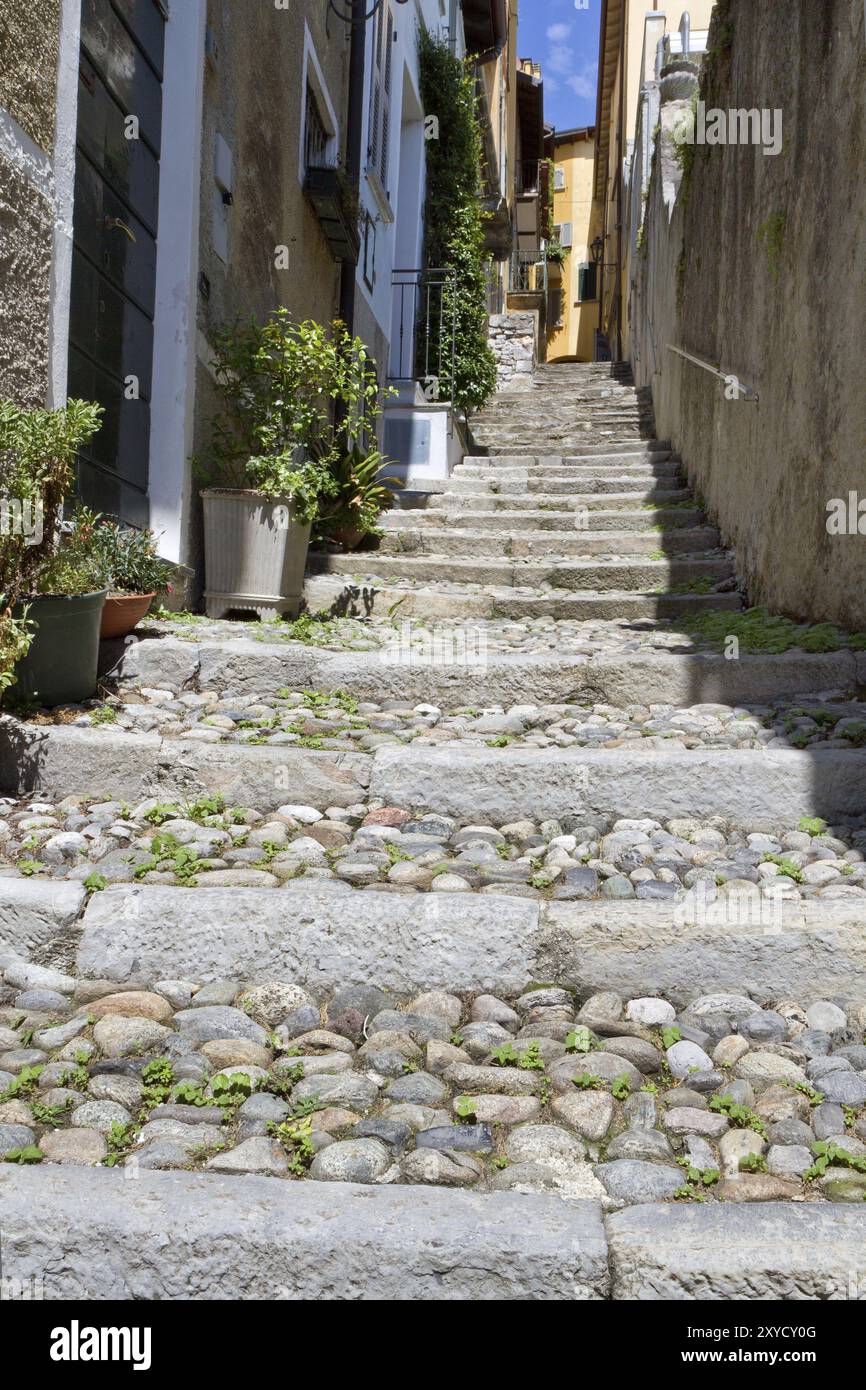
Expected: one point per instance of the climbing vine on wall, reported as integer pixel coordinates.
(453, 219)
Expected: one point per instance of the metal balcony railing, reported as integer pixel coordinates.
(527, 271)
(424, 330)
(529, 176)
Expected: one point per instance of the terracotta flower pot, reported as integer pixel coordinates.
(123, 612)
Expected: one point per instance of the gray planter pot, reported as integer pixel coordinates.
(60, 667)
(255, 554)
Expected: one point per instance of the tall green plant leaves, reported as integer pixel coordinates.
(453, 221)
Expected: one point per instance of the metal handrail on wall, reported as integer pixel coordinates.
(746, 392)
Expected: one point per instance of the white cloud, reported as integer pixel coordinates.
(557, 32)
(560, 60)
(584, 83)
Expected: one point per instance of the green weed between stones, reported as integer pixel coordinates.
(752, 1163)
(787, 868)
(740, 1116)
(696, 1180)
(827, 1154)
(30, 1154)
(620, 1087)
(530, 1060)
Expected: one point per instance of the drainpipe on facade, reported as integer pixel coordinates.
(354, 130)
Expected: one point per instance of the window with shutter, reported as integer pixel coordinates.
(565, 234)
(386, 101)
(559, 179)
(586, 282)
(375, 96)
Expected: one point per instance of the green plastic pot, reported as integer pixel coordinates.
(60, 667)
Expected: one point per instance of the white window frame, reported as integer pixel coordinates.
(313, 77)
(379, 124)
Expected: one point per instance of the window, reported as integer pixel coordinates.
(369, 251)
(380, 96)
(315, 134)
(586, 281)
(558, 180)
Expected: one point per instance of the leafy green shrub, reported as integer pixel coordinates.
(128, 560)
(278, 382)
(37, 453)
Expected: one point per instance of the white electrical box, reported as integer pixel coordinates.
(223, 165)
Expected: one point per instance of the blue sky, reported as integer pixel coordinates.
(562, 36)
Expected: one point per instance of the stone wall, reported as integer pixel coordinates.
(755, 262)
(29, 49)
(514, 340)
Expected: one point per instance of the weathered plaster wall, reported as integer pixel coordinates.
(254, 99)
(758, 265)
(29, 49)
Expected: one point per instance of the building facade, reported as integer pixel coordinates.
(573, 317)
(634, 43)
(168, 169)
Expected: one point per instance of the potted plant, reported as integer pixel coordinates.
(51, 595)
(294, 395)
(363, 494)
(133, 573)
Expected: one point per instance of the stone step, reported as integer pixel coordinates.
(621, 574)
(96, 763)
(644, 482)
(562, 407)
(667, 519)
(655, 502)
(512, 677)
(386, 597)
(523, 544)
(565, 475)
(599, 459)
(501, 439)
(589, 463)
(481, 784)
(589, 450)
(727, 1251)
(748, 787)
(252, 1237)
(322, 940)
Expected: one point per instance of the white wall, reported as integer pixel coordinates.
(171, 414)
(397, 211)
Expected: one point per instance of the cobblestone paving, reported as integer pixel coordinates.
(626, 1101)
(336, 720)
(369, 845)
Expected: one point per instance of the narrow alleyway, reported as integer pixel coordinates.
(571, 510)
(515, 885)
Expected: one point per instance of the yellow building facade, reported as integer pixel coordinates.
(577, 217)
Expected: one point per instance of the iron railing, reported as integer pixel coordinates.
(528, 271)
(743, 392)
(424, 330)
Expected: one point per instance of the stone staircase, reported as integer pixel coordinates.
(569, 508)
(401, 897)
